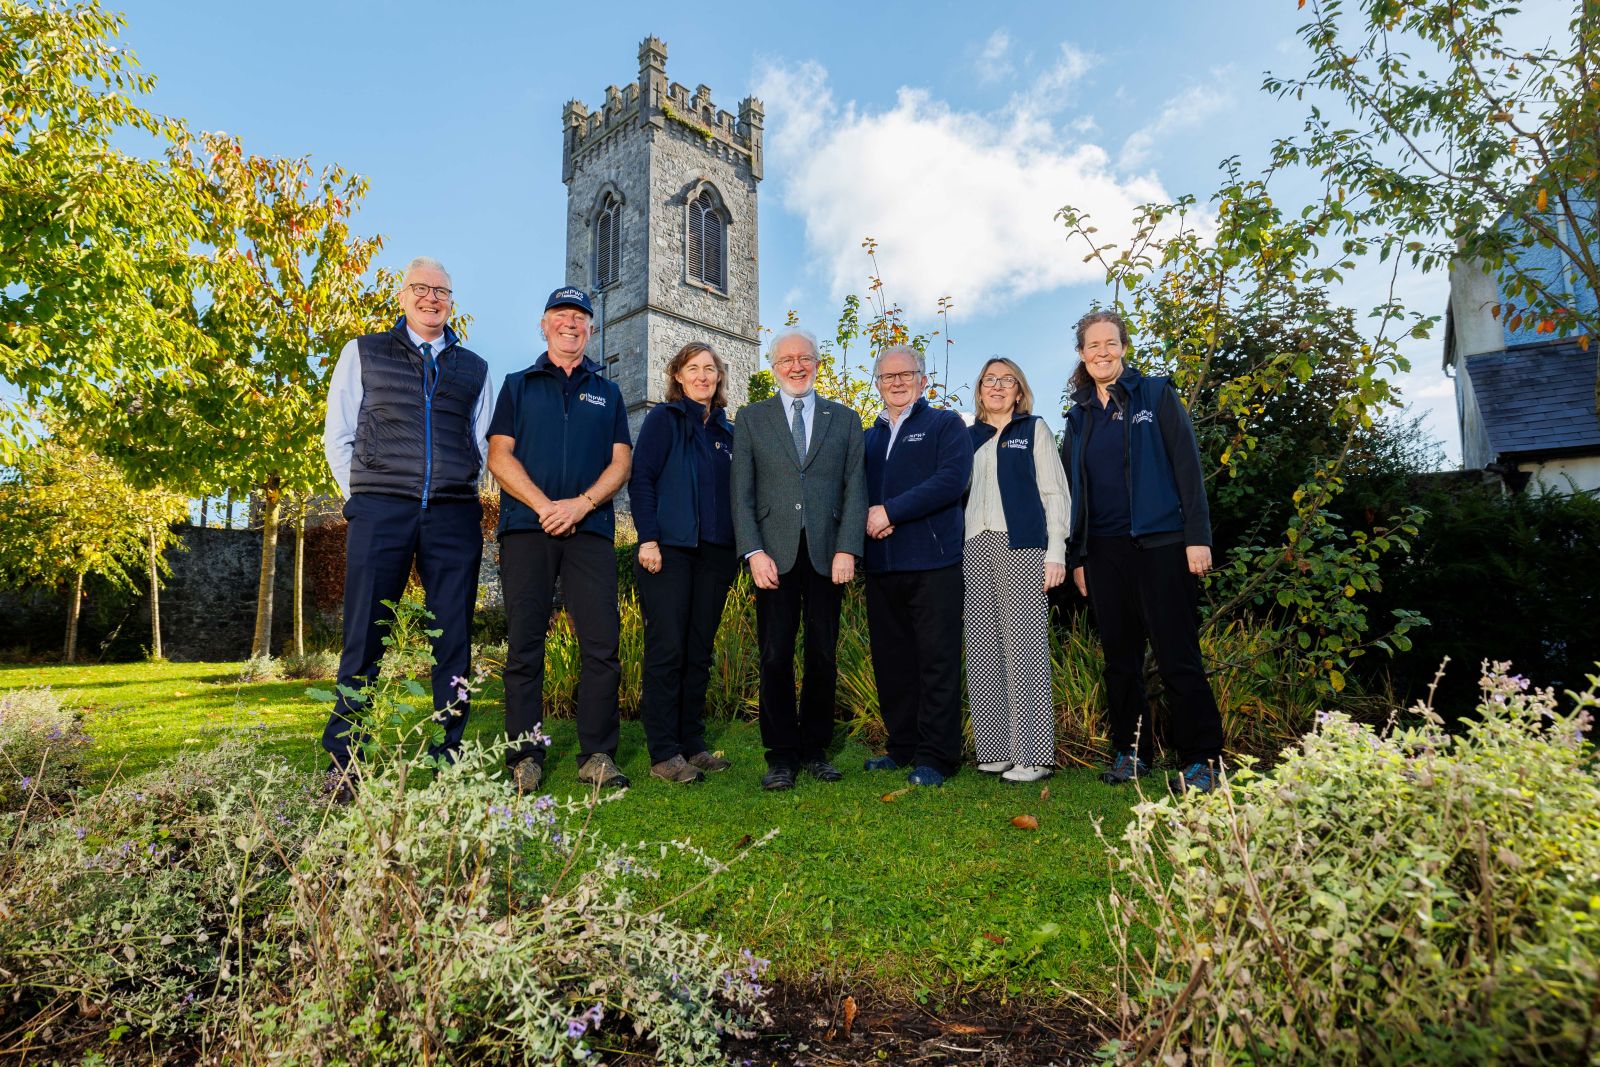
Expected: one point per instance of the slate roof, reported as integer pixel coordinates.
(1537, 398)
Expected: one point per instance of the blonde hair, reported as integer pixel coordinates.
(1024, 404)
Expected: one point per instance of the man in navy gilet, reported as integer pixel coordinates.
(408, 415)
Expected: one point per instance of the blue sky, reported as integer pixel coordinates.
(949, 132)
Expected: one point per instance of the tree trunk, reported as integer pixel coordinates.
(227, 503)
(72, 619)
(261, 644)
(203, 502)
(300, 582)
(155, 598)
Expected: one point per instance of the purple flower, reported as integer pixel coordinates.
(576, 1028)
(461, 694)
(544, 803)
(80, 832)
(26, 782)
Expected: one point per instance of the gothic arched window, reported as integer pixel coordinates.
(608, 242)
(708, 240)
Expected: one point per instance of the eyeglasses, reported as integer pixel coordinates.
(998, 381)
(796, 361)
(419, 291)
(899, 377)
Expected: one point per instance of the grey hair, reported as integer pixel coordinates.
(901, 350)
(793, 333)
(427, 263)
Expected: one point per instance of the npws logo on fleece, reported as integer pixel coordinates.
(1143, 416)
(1017, 442)
(593, 398)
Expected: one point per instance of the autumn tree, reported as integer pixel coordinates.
(1462, 135)
(95, 261)
(67, 513)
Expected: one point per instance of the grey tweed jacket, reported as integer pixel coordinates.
(776, 496)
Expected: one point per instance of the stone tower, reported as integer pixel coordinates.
(661, 227)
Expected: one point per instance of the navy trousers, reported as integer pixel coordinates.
(682, 609)
(386, 535)
(914, 623)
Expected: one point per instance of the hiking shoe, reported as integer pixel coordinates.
(881, 763)
(341, 784)
(779, 777)
(823, 771)
(994, 768)
(527, 774)
(1125, 767)
(1201, 777)
(676, 769)
(925, 776)
(601, 770)
(706, 761)
(1027, 774)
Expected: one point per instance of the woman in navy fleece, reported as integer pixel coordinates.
(1141, 535)
(679, 495)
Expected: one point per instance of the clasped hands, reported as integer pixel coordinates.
(764, 571)
(561, 517)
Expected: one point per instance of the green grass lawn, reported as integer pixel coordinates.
(927, 894)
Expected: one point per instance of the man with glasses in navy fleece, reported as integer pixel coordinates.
(408, 415)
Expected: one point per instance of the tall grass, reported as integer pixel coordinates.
(1264, 706)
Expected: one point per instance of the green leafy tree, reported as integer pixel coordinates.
(287, 283)
(1456, 142)
(67, 513)
(95, 262)
(1195, 300)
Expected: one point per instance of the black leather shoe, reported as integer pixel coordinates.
(823, 771)
(778, 778)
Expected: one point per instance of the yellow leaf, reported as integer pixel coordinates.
(1336, 680)
(1543, 199)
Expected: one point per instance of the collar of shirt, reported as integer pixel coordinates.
(439, 343)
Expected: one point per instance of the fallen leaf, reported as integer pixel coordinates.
(996, 938)
(744, 842)
(1025, 822)
(1044, 794)
(897, 794)
(961, 1028)
(849, 1014)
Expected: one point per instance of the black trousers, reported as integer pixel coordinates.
(1148, 593)
(914, 622)
(682, 606)
(796, 734)
(385, 536)
(586, 563)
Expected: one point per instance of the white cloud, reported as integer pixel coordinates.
(1189, 108)
(994, 63)
(961, 203)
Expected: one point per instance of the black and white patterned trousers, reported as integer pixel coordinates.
(1008, 653)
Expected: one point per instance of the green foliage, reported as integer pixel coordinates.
(42, 746)
(1238, 315)
(65, 511)
(95, 263)
(1398, 897)
(312, 666)
(1501, 575)
(1462, 142)
(261, 669)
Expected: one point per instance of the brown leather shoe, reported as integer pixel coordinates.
(676, 769)
(708, 762)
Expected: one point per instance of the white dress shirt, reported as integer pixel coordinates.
(344, 409)
(808, 411)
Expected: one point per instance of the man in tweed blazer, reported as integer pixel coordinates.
(799, 519)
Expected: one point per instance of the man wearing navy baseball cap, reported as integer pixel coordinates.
(559, 446)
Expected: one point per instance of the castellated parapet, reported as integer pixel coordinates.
(651, 158)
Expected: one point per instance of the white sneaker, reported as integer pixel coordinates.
(993, 768)
(1027, 774)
